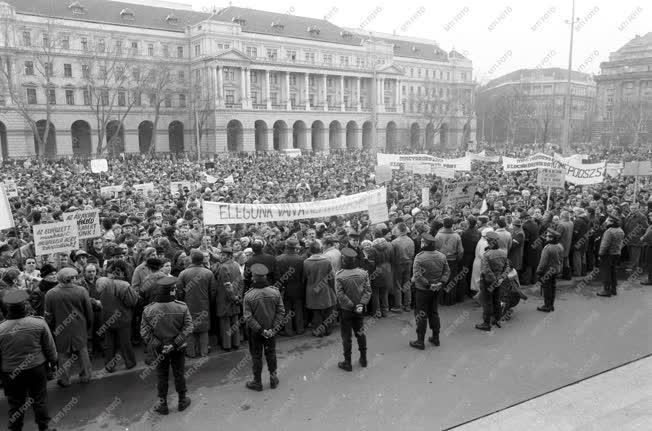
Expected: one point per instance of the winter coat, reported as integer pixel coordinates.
(148, 290)
(516, 251)
(580, 240)
(612, 242)
(69, 314)
(290, 273)
(381, 254)
(319, 278)
(402, 250)
(565, 228)
(196, 288)
(37, 296)
(634, 227)
(266, 259)
(118, 300)
(228, 298)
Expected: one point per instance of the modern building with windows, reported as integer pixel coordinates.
(624, 95)
(527, 106)
(125, 75)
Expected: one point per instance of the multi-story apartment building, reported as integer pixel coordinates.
(527, 106)
(125, 75)
(624, 95)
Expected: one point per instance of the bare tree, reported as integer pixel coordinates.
(113, 90)
(202, 108)
(159, 80)
(544, 117)
(513, 111)
(23, 94)
(635, 117)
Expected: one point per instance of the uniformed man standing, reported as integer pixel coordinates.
(263, 313)
(26, 346)
(165, 326)
(430, 272)
(550, 267)
(494, 270)
(353, 291)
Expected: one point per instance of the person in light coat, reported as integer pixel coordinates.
(319, 279)
(477, 263)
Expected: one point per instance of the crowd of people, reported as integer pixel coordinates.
(156, 248)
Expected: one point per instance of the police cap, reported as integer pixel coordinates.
(259, 269)
(492, 235)
(167, 281)
(354, 234)
(349, 252)
(15, 296)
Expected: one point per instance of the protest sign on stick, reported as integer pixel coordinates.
(59, 237)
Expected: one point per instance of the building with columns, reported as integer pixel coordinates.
(242, 79)
(624, 95)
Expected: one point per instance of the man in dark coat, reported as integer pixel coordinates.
(580, 242)
(228, 299)
(197, 289)
(290, 269)
(532, 250)
(70, 316)
(118, 300)
(550, 267)
(259, 256)
(495, 269)
(634, 226)
(518, 242)
(318, 277)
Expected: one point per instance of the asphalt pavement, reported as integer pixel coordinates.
(473, 374)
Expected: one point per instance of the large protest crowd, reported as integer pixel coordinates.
(159, 233)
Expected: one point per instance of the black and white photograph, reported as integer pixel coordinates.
(287, 216)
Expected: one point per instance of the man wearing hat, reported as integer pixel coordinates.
(290, 269)
(69, 313)
(197, 287)
(518, 241)
(354, 244)
(165, 326)
(494, 270)
(610, 249)
(580, 242)
(26, 348)
(259, 257)
(228, 299)
(79, 259)
(263, 314)
(430, 272)
(550, 267)
(353, 291)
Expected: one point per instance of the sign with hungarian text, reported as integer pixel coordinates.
(553, 178)
(575, 171)
(398, 160)
(88, 223)
(228, 213)
(52, 238)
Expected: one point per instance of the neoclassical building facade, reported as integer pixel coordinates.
(235, 79)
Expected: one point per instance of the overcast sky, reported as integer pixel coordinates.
(498, 36)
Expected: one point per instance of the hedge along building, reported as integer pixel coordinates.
(135, 78)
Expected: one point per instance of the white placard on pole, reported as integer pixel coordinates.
(547, 177)
(11, 189)
(425, 196)
(99, 165)
(59, 237)
(378, 213)
(6, 219)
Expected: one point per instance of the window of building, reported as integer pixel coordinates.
(134, 48)
(166, 51)
(330, 82)
(49, 69)
(311, 80)
(273, 97)
(292, 55)
(181, 75)
(118, 47)
(104, 97)
(412, 72)
(344, 60)
(150, 49)
(293, 99)
(27, 38)
(85, 71)
(448, 76)
(179, 51)
(311, 99)
(229, 74)
(29, 68)
(272, 54)
(251, 51)
(360, 62)
(230, 96)
(135, 73)
(273, 78)
(197, 50)
(310, 57)
(52, 96)
(45, 40)
(101, 45)
(84, 43)
(168, 101)
(182, 100)
(328, 58)
(65, 41)
(138, 98)
(197, 75)
(463, 76)
(70, 97)
(31, 95)
(441, 74)
(87, 97)
(254, 97)
(152, 99)
(122, 98)
(293, 79)
(419, 72)
(253, 77)
(67, 70)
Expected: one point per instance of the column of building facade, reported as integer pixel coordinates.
(306, 91)
(220, 86)
(267, 90)
(380, 100)
(288, 103)
(243, 88)
(342, 106)
(248, 88)
(357, 94)
(324, 91)
(399, 96)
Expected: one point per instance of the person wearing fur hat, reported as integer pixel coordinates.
(259, 256)
(37, 295)
(610, 249)
(291, 285)
(550, 267)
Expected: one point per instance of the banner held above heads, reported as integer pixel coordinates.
(398, 160)
(383, 174)
(11, 189)
(59, 237)
(145, 188)
(99, 165)
(576, 172)
(6, 219)
(226, 213)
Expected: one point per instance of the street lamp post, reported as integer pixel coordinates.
(565, 142)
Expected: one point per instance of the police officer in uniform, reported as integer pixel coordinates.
(263, 314)
(353, 291)
(430, 272)
(26, 347)
(165, 326)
